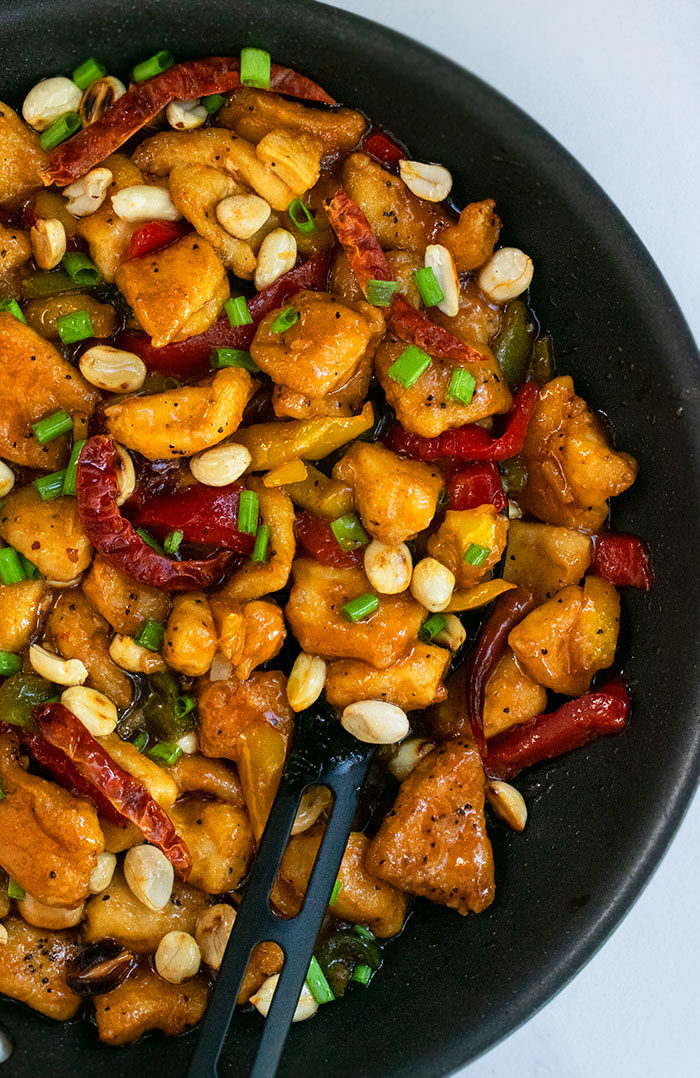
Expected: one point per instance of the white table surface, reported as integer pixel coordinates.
(618, 83)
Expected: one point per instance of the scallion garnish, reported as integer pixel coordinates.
(381, 293)
(349, 532)
(30, 573)
(213, 102)
(11, 306)
(408, 368)
(301, 216)
(262, 541)
(248, 512)
(171, 543)
(361, 607)
(88, 72)
(140, 741)
(50, 486)
(165, 752)
(476, 555)
(428, 286)
(318, 985)
(237, 311)
(255, 68)
(233, 357)
(337, 887)
(11, 571)
(153, 66)
(64, 127)
(431, 627)
(2, 794)
(363, 932)
(183, 706)
(53, 426)
(462, 386)
(9, 663)
(74, 327)
(15, 891)
(72, 469)
(285, 320)
(362, 974)
(148, 538)
(81, 269)
(150, 635)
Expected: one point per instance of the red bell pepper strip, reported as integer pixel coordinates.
(112, 534)
(479, 484)
(143, 101)
(470, 442)
(203, 515)
(574, 724)
(105, 780)
(315, 537)
(191, 358)
(154, 235)
(509, 609)
(382, 149)
(622, 559)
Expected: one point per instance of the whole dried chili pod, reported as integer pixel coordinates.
(112, 535)
(574, 724)
(415, 327)
(65, 733)
(143, 101)
(622, 559)
(509, 609)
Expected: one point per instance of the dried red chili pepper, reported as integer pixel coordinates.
(67, 774)
(382, 149)
(203, 515)
(415, 327)
(143, 101)
(315, 537)
(479, 484)
(509, 609)
(574, 724)
(354, 232)
(191, 358)
(622, 559)
(155, 235)
(470, 442)
(102, 776)
(112, 534)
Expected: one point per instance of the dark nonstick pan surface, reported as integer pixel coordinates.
(601, 819)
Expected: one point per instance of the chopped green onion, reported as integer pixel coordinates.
(408, 368)
(150, 635)
(285, 320)
(50, 486)
(301, 216)
(31, 573)
(429, 286)
(81, 269)
(349, 532)
(213, 102)
(72, 469)
(171, 543)
(255, 68)
(262, 540)
(11, 306)
(88, 72)
(360, 607)
(337, 888)
(431, 627)
(362, 974)
(153, 66)
(140, 741)
(462, 386)
(476, 555)
(9, 663)
(11, 571)
(2, 794)
(381, 293)
(363, 932)
(248, 512)
(183, 706)
(165, 752)
(152, 543)
(318, 985)
(15, 891)
(233, 357)
(237, 311)
(63, 128)
(52, 427)
(74, 327)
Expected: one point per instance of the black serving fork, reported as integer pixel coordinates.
(324, 754)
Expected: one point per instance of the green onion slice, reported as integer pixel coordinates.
(248, 512)
(183, 706)
(148, 538)
(213, 102)
(9, 663)
(318, 985)
(428, 286)
(262, 541)
(431, 627)
(233, 357)
(285, 320)
(140, 741)
(361, 607)
(53, 426)
(408, 368)
(362, 974)
(50, 486)
(363, 932)
(476, 555)
(15, 891)
(81, 269)
(31, 573)
(171, 543)
(301, 216)
(150, 635)
(381, 293)
(72, 469)
(11, 570)
(153, 66)
(255, 68)
(237, 311)
(337, 888)
(88, 72)
(74, 327)
(462, 386)
(349, 532)
(11, 306)
(64, 127)
(165, 752)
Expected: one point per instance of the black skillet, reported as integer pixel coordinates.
(601, 819)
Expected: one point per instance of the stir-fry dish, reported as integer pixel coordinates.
(280, 437)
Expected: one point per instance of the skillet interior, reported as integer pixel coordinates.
(601, 819)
